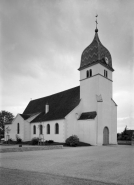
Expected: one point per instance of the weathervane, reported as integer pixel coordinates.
(96, 20)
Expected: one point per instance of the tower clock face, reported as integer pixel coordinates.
(106, 60)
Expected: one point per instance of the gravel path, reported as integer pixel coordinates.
(20, 177)
(109, 164)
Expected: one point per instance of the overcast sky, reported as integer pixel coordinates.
(42, 42)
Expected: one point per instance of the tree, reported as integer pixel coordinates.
(5, 117)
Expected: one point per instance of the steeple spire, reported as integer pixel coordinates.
(95, 52)
(96, 30)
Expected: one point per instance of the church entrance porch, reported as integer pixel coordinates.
(106, 136)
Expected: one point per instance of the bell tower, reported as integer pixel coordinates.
(95, 74)
(96, 91)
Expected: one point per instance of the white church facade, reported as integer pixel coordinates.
(87, 111)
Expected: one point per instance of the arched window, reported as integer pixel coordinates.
(87, 74)
(34, 129)
(105, 73)
(90, 72)
(56, 128)
(48, 129)
(41, 129)
(18, 128)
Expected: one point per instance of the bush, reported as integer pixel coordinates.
(34, 141)
(49, 141)
(18, 139)
(72, 140)
(10, 141)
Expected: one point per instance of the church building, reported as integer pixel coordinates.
(87, 111)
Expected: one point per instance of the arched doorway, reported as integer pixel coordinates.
(105, 136)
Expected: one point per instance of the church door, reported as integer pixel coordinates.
(106, 136)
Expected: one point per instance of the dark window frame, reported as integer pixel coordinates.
(18, 128)
(105, 74)
(56, 128)
(90, 72)
(41, 129)
(34, 129)
(48, 128)
(87, 74)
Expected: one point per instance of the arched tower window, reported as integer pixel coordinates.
(34, 129)
(41, 129)
(18, 128)
(56, 128)
(87, 74)
(48, 129)
(105, 73)
(90, 72)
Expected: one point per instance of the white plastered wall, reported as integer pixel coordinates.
(96, 69)
(13, 128)
(87, 131)
(106, 111)
(114, 123)
(84, 129)
(27, 127)
(95, 85)
(52, 136)
(27, 133)
(107, 117)
(71, 122)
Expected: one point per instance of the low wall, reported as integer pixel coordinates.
(26, 148)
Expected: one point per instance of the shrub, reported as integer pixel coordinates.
(50, 141)
(47, 142)
(72, 140)
(18, 139)
(34, 141)
(10, 141)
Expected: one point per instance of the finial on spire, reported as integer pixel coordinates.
(96, 30)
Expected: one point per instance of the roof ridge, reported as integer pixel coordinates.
(55, 94)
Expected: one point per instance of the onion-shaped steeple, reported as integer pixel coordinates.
(96, 53)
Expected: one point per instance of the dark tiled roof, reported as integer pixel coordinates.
(88, 115)
(60, 105)
(25, 116)
(95, 53)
